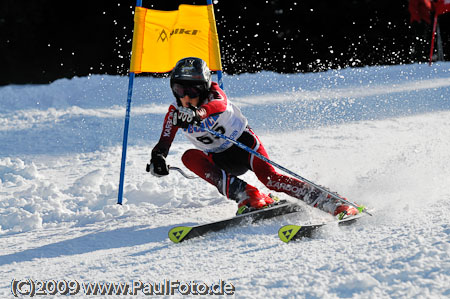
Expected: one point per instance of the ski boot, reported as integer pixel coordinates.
(344, 211)
(329, 204)
(252, 199)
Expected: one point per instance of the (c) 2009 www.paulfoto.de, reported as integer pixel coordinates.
(31, 287)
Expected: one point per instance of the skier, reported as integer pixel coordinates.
(200, 102)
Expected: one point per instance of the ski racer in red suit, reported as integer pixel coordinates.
(200, 102)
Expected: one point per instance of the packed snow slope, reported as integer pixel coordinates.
(379, 136)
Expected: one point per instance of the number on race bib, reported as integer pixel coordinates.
(207, 139)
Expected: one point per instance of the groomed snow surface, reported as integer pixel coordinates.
(379, 136)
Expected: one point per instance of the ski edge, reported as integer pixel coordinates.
(293, 232)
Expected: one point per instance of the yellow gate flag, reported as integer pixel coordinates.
(161, 38)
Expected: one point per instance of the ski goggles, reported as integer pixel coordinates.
(186, 90)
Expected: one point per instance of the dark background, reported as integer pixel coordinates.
(43, 40)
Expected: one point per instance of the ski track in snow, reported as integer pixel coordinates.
(378, 135)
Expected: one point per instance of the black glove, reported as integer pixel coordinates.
(183, 117)
(158, 165)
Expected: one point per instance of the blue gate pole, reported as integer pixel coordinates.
(219, 72)
(125, 138)
(219, 79)
(125, 131)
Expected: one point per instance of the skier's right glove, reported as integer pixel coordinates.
(185, 116)
(158, 165)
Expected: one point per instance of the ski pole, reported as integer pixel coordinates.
(246, 148)
(183, 173)
(177, 169)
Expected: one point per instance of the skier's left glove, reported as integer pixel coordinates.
(158, 166)
(183, 117)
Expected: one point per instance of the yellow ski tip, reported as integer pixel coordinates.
(178, 233)
(287, 232)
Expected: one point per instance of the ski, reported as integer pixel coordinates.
(291, 232)
(180, 233)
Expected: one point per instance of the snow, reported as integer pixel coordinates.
(378, 135)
